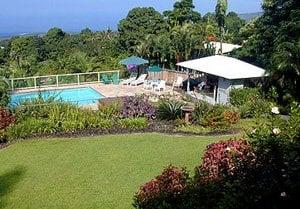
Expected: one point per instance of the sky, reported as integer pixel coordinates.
(73, 15)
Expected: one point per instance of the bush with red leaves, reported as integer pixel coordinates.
(6, 118)
(222, 158)
(163, 190)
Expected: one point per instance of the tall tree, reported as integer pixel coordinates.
(53, 40)
(221, 10)
(275, 45)
(183, 12)
(139, 23)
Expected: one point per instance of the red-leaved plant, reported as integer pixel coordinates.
(172, 182)
(6, 118)
(221, 159)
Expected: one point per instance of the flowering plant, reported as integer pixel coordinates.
(137, 106)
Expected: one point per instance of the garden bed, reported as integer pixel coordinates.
(155, 126)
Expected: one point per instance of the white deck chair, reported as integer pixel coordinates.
(140, 80)
(148, 85)
(161, 86)
(178, 82)
(130, 79)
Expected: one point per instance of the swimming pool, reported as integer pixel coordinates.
(81, 96)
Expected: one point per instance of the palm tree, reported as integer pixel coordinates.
(186, 39)
(221, 10)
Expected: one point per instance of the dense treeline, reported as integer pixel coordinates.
(163, 38)
(273, 42)
(58, 52)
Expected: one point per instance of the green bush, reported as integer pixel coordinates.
(201, 109)
(238, 97)
(133, 123)
(169, 110)
(215, 117)
(30, 127)
(110, 108)
(249, 101)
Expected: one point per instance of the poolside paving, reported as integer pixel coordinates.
(110, 90)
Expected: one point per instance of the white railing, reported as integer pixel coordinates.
(45, 81)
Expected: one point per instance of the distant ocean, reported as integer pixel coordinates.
(95, 24)
(4, 36)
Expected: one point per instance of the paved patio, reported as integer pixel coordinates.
(111, 91)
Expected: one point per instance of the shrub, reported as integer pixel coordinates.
(6, 120)
(201, 109)
(137, 107)
(169, 110)
(109, 108)
(164, 190)
(249, 101)
(231, 116)
(215, 119)
(221, 159)
(133, 123)
(238, 97)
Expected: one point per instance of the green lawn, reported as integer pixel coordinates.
(100, 172)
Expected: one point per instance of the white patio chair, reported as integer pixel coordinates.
(161, 86)
(148, 85)
(177, 83)
(140, 80)
(130, 79)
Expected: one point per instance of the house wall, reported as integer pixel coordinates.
(224, 88)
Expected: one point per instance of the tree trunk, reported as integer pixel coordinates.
(221, 41)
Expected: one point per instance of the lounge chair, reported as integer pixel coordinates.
(161, 86)
(178, 82)
(115, 79)
(105, 79)
(130, 79)
(140, 80)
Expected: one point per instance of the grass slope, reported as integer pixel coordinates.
(101, 172)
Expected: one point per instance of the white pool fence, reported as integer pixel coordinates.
(47, 81)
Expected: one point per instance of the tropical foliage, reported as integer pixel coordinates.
(260, 172)
(274, 44)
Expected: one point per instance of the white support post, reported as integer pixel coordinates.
(98, 77)
(35, 82)
(12, 84)
(56, 80)
(78, 79)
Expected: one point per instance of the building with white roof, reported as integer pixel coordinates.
(220, 74)
(227, 48)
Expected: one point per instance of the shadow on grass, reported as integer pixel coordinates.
(7, 183)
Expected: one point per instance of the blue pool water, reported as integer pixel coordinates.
(80, 96)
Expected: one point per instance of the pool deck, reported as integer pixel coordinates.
(108, 90)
